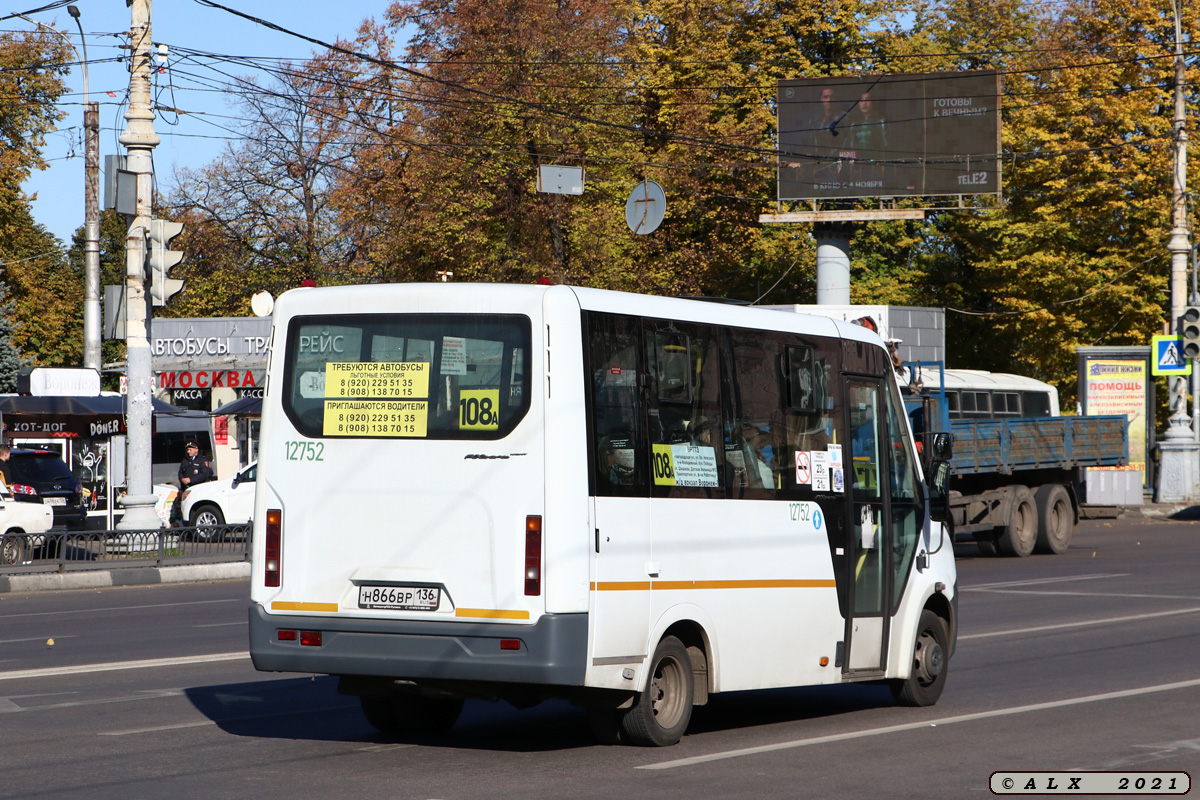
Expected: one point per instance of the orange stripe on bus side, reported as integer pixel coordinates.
(325, 607)
(490, 613)
(633, 586)
(621, 586)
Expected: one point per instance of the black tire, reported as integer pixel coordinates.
(661, 713)
(605, 724)
(378, 711)
(412, 713)
(14, 549)
(52, 544)
(205, 518)
(924, 685)
(1019, 535)
(1056, 519)
(987, 542)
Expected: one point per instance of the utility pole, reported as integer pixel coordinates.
(139, 140)
(1179, 465)
(91, 211)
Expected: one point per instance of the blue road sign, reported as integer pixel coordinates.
(1168, 356)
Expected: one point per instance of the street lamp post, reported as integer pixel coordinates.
(1179, 462)
(91, 247)
(91, 201)
(140, 140)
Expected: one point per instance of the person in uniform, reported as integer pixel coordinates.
(194, 469)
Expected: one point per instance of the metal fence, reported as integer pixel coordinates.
(71, 551)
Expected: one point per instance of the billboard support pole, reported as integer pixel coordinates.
(833, 262)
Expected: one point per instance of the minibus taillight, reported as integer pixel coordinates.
(533, 556)
(274, 546)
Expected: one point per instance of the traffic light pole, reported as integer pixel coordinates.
(140, 140)
(1179, 453)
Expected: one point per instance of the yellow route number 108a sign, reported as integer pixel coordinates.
(479, 409)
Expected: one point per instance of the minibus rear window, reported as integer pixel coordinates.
(414, 376)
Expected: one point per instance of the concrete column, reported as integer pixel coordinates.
(833, 262)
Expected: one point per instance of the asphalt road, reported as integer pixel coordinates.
(1089, 661)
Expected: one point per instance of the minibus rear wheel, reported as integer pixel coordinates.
(661, 713)
(411, 712)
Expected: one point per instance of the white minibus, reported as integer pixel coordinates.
(632, 502)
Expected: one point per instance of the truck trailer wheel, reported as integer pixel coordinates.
(1019, 535)
(987, 542)
(1056, 519)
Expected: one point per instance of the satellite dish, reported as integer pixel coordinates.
(262, 304)
(646, 207)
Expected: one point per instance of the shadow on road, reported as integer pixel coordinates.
(311, 709)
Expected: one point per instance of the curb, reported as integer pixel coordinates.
(1175, 511)
(134, 576)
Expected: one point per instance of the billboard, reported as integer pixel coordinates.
(899, 135)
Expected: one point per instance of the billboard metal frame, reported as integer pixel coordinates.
(883, 137)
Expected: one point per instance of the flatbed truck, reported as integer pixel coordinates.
(1015, 481)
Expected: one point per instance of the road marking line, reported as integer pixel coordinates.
(147, 695)
(380, 748)
(159, 728)
(222, 624)
(36, 639)
(113, 666)
(1043, 580)
(912, 726)
(1085, 623)
(1117, 595)
(123, 608)
(232, 720)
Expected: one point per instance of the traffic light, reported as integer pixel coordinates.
(1189, 331)
(161, 259)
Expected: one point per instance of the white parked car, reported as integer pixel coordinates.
(22, 525)
(222, 502)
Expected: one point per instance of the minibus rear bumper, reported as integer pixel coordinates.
(551, 651)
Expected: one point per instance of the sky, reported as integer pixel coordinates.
(191, 140)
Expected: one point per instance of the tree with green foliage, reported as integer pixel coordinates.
(41, 302)
(11, 360)
(1077, 253)
(433, 157)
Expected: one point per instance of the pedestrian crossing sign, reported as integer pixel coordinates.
(1168, 357)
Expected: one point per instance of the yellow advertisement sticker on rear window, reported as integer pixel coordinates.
(479, 409)
(402, 379)
(375, 418)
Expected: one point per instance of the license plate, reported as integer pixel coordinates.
(55, 501)
(400, 598)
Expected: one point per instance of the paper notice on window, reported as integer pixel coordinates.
(400, 379)
(820, 470)
(454, 356)
(835, 456)
(684, 465)
(390, 418)
(803, 468)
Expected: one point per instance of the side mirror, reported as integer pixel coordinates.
(939, 501)
(234, 485)
(942, 447)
